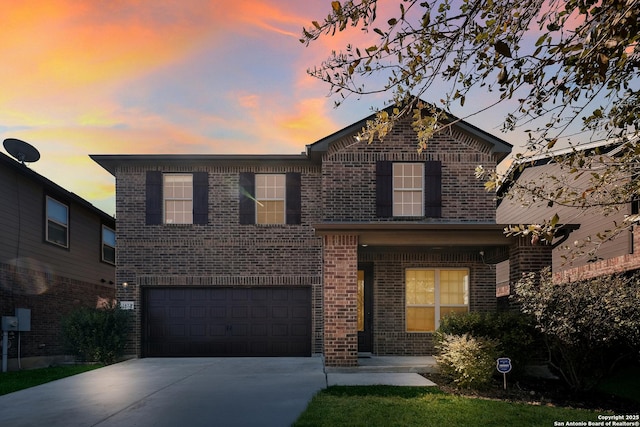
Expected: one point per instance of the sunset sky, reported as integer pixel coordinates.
(134, 77)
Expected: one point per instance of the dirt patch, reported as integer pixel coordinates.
(538, 391)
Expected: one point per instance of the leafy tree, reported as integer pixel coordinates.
(589, 326)
(560, 64)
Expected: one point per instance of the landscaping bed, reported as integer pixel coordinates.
(540, 391)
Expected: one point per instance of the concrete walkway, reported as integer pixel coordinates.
(193, 392)
(385, 370)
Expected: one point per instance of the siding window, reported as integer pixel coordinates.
(432, 294)
(57, 228)
(408, 189)
(108, 245)
(270, 198)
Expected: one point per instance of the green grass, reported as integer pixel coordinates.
(18, 380)
(425, 406)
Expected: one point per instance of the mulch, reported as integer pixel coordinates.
(539, 391)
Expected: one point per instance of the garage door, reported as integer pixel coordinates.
(210, 322)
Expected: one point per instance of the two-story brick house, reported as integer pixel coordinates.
(347, 248)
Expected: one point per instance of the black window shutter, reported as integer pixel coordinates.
(294, 199)
(247, 191)
(200, 197)
(384, 189)
(153, 198)
(433, 189)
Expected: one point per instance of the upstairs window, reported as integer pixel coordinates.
(57, 227)
(178, 199)
(270, 199)
(108, 245)
(408, 189)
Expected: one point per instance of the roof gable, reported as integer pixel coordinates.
(497, 146)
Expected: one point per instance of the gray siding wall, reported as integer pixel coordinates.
(22, 231)
(591, 221)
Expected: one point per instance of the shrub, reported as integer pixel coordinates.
(514, 332)
(96, 334)
(589, 326)
(467, 360)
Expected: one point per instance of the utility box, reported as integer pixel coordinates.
(9, 323)
(24, 319)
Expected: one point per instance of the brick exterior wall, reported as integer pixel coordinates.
(50, 298)
(524, 257)
(341, 189)
(389, 329)
(348, 175)
(340, 300)
(349, 195)
(221, 253)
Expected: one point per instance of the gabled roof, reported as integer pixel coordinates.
(111, 161)
(499, 146)
(610, 147)
(313, 152)
(6, 161)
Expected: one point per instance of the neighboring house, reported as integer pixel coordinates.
(57, 254)
(347, 248)
(571, 261)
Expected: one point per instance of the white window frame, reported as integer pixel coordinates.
(397, 190)
(436, 305)
(264, 198)
(64, 225)
(166, 198)
(104, 227)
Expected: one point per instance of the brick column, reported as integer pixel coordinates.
(340, 300)
(526, 257)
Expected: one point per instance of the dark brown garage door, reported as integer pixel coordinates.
(227, 322)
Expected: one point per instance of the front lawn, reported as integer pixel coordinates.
(426, 406)
(18, 380)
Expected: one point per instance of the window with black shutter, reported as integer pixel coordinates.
(177, 198)
(270, 198)
(153, 198)
(294, 198)
(384, 189)
(247, 198)
(433, 189)
(200, 198)
(406, 189)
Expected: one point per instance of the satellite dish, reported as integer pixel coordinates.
(22, 151)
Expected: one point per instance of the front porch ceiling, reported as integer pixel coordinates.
(419, 234)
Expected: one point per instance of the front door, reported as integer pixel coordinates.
(365, 308)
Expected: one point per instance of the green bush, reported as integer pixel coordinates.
(514, 332)
(467, 360)
(96, 335)
(589, 326)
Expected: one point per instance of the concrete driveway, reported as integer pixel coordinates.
(173, 392)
